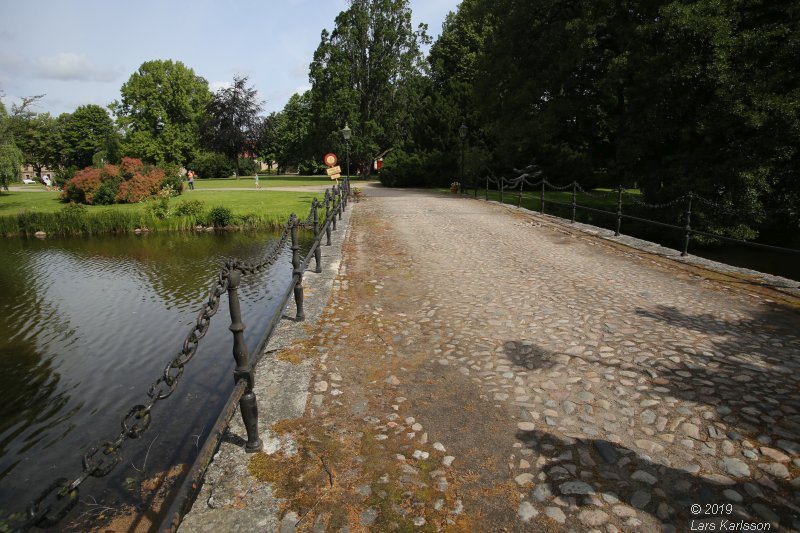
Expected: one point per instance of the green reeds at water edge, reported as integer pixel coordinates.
(76, 220)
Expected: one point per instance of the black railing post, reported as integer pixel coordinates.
(688, 234)
(247, 404)
(502, 184)
(297, 272)
(317, 240)
(328, 216)
(619, 210)
(519, 196)
(541, 198)
(335, 207)
(341, 200)
(475, 188)
(487, 188)
(574, 202)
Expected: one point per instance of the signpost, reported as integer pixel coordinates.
(335, 172)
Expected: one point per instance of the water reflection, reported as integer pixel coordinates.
(87, 324)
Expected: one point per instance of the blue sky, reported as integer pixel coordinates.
(82, 51)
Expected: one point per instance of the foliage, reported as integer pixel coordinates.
(220, 216)
(417, 169)
(232, 124)
(10, 161)
(85, 132)
(309, 167)
(161, 110)
(36, 135)
(130, 181)
(285, 135)
(211, 165)
(247, 166)
(367, 73)
(190, 208)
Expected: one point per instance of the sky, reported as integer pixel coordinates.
(80, 52)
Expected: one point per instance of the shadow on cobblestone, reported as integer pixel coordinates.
(628, 481)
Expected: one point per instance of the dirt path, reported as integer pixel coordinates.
(480, 371)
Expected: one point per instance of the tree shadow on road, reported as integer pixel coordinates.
(666, 493)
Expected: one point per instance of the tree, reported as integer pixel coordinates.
(232, 124)
(10, 155)
(162, 108)
(292, 128)
(35, 134)
(85, 132)
(367, 73)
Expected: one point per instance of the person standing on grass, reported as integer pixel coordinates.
(258, 185)
(190, 178)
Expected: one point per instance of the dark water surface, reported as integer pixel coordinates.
(86, 325)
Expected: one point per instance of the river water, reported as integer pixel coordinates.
(86, 325)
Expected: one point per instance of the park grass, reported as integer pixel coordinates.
(28, 212)
(248, 182)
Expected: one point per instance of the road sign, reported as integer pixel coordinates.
(336, 176)
(334, 170)
(330, 159)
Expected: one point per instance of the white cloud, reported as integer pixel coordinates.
(68, 66)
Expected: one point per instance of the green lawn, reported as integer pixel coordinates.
(248, 182)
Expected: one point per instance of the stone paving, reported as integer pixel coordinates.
(480, 369)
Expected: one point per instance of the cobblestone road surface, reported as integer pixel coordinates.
(483, 370)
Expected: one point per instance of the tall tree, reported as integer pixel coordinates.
(35, 134)
(292, 128)
(85, 132)
(162, 107)
(232, 126)
(10, 155)
(367, 73)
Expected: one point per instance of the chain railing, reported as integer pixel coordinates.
(690, 200)
(56, 501)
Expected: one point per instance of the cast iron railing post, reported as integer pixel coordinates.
(688, 228)
(487, 188)
(475, 188)
(502, 184)
(541, 198)
(297, 271)
(247, 404)
(328, 216)
(619, 210)
(574, 194)
(317, 251)
(341, 200)
(335, 207)
(519, 196)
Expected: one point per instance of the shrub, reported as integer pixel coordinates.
(211, 165)
(130, 181)
(247, 166)
(141, 186)
(309, 167)
(190, 208)
(107, 192)
(220, 216)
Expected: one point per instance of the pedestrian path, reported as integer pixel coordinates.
(480, 369)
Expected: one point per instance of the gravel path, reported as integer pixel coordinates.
(480, 369)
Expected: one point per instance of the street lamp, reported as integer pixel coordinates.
(462, 133)
(347, 133)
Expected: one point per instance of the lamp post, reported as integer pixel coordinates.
(462, 133)
(347, 133)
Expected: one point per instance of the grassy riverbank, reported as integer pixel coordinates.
(28, 212)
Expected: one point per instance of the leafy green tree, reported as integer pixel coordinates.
(10, 155)
(292, 127)
(367, 72)
(85, 132)
(233, 121)
(161, 110)
(35, 134)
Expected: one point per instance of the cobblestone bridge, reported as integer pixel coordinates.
(483, 369)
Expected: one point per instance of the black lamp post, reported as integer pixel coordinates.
(462, 133)
(347, 133)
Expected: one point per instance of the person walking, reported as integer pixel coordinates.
(190, 178)
(258, 185)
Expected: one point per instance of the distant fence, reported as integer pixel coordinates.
(689, 200)
(58, 499)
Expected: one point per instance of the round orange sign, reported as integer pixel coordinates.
(330, 160)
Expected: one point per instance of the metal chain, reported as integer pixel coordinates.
(672, 202)
(555, 187)
(594, 194)
(61, 496)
